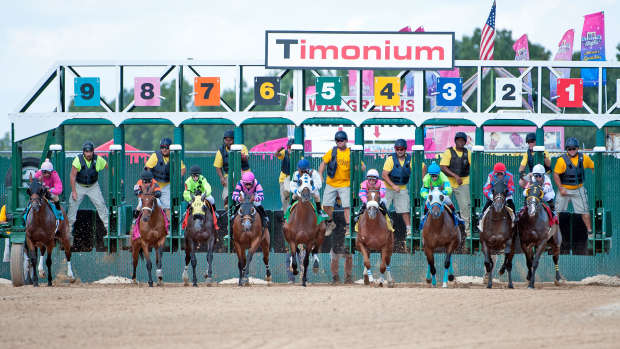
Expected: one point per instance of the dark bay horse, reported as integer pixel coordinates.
(153, 233)
(302, 228)
(42, 233)
(498, 234)
(439, 230)
(373, 234)
(536, 233)
(200, 229)
(248, 233)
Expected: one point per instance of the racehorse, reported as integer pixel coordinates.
(153, 231)
(42, 232)
(439, 230)
(248, 233)
(537, 231)
(373, 234)
(302, 228)
(200, 229)
(498, 234)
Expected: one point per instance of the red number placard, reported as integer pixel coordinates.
(570, 93)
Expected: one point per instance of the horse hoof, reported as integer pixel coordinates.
(556, 282)
(490, 286)
(295, 272)
(366, 280)
(390, 284)
(195, 284)
(428, 281)
(49, 284)
(160, 282)
(150, 283)
(268, 278)
(134, 281)
(450, 277)
(530, 287)
(510, 286)
(41, 274)
(444, 285)
(71, 279)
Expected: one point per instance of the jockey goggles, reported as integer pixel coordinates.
(372, 177)
(537, 175)
(46, 172)
(163, 146)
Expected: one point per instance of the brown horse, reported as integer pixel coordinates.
(153, 233)
(439, 230)
(373, 234)
(498, 234)
(302, 228)
(200, 229)
(42, 232)
(248, 233)
(535, 232)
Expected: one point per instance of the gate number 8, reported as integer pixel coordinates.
(147, 91)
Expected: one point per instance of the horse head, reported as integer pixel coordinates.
(305, 188)
(149, 203)
(247, 212)
(436, 199)
(36, 191)
(500, 191)
(372, 207)
(533, 198)
(198, 207)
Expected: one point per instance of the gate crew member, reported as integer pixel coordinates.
(396, 175)
(159, 165)
(527, 162)
(455, 163)
(284, 154)
(221, 162)
(569, 180)
(85, 170)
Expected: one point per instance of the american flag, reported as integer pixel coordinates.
(487, 40)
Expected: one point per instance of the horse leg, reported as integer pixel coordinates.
(387, 252)
(48, 262)
(293, 247)
(209, 274)
(265, 248)
(508, 254)
(557, 242)
(158, 261)
(66, 245)
(188, 257)
(448, 274)
(251, 251)
(315, 257)
(240, 261)
(540, 248)
(304, 277)
(488, 264)
(368, 279)
(430, 272)
(40, 268)
(149, 265)
(32, 253)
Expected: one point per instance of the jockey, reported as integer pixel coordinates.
(248, 186)
(146, 180)
(373, 182)
(499, 174)
(436, 178)
(196, 185)
(539, 177)
(303, 167)
(51, 181)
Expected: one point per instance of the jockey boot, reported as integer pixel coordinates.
(360, 213)
(382, 208)
(57, 205)
(263, 215)
(319, 207)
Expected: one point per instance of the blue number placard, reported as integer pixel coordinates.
(86, 92)
(450, 92)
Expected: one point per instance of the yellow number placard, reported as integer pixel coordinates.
(387, 91)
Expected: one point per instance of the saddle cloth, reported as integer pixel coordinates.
(184, 224)
(57, 214)
(552, 219)
(136, 227)
(484, 214)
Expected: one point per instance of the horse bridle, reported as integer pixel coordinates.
(149, 193)
(439, 203)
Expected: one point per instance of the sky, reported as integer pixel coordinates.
(35, 34)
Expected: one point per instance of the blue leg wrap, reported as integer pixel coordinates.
(388, 268)
(445, 275)
(428, 272)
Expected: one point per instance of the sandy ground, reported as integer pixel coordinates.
(319, 316)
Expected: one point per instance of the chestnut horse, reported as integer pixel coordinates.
(200, 229)
(535, 231)
(439, 230)
(153, 233)
(42, 232)
(373, 234)
(248, 233)
(498, 234)
(302, 228)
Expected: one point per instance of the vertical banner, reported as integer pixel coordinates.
(565, 53)
(522, 53)
(593, 47)
(368, 78)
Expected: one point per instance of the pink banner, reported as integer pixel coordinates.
(522, 53)
(593, 46)
(565, 53)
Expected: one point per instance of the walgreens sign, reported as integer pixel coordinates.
(359, 50)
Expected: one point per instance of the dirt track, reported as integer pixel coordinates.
(97, 316)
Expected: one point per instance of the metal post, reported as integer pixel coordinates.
(179, 138)
(539, 149)
(239, 135)
(299, 135)
(417, 159)
(357, 175)
(234, 175)
(176, 180)
(475, 190)
(60, 165)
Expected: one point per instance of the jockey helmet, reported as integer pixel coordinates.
(146, 176)
(47, 166)
(434, 169)
(531, 137)
(341, 136)
(571, 142)
(372, 173)
(247, 177)
(229, 134)
(195, 170)
(88, 146)
(165, 141)
(460, 135)
(538, 169)
(499, 168)
(400, 143)
(303, 165)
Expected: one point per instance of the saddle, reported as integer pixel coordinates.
(319, 218)
(136, 227)
(552, 219)
(484, 214)
(184, 224)
(58, 214)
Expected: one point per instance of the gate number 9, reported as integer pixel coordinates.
(87, 91)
